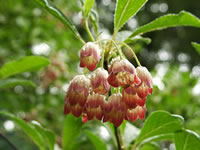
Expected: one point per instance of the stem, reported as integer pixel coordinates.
(9, 143)
(102, 57)
(134, 146)
(88, 30)
(134, 55)
(117, 138)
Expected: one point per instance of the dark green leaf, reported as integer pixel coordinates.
(9, 83)
(97, 142)
(196, 46)
(28, 129)
(87, 7)
(72, 129)
(58, 14)
(171, 20)
(187, 140)
(125, 9)
(159, 123)
(47, 135)
(28, 63)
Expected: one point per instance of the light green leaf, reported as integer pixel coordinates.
(59, 15)
(72, 129)
(171, 20)
(47, 135)
(28, 129)
(9, 83)
(159, 123)
(138, 39)
(196, 46)
(88, 5)
(94, 18)
(96, 141)
(150, 146)
(27, 63)
(187, 140)
(125, 9)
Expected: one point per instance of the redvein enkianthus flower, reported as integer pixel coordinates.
(122, 73)
(77, 94)
(90, 55)
(99, 81)
(135, 113)
(146, 85)
(115, 109)
(94, 106)
(131, 98)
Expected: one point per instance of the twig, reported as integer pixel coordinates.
(117, 138)
(9, 143)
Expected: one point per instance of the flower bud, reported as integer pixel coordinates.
(90, 56)
(146, 85)
(135, 113)
(99, 81)
(122, 73)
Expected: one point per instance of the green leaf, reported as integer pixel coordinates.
(159, 123)
(171, 20)
(196, 46)
(9, 83)
(58, 14)
(72, 129)
(88, 5)
(187, 140)
(28, 129)
(138, 39)
(94, 18)
(27, 63)
(96, 141)
(150, 146)
(125, 9)
(47, 135)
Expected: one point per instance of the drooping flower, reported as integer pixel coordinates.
(99, 81)
(90, 56)
(131, 98)
(115, 110)
(76, 96)
(94, 106)
(146, 85)
(122, 73)
(135, 113)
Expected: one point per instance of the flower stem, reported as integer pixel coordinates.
(134, 55)
(88, 30)
(117, 138)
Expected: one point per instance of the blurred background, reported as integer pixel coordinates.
(27, 29)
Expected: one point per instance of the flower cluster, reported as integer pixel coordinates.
(91, 96)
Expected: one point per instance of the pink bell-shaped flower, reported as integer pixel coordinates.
(90, 55)
(122, 73)
(76, 96)
(146, 85)
(115, 110)
(131, 98)
(94, 106)
(99, 81)
(135, 113)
